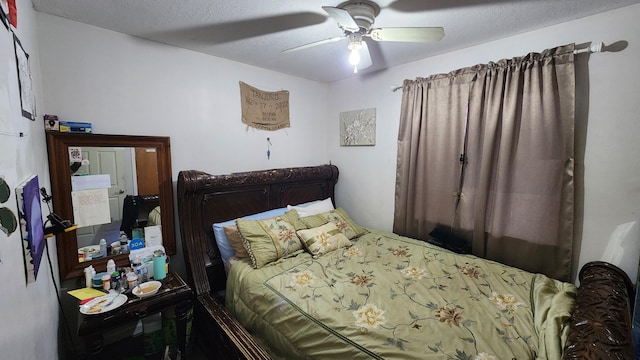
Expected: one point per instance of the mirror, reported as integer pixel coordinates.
(136, 173)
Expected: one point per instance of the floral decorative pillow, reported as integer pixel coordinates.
(268, 240)
(340, 218)
(323, 239)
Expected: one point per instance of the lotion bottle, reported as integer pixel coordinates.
(89, 273)
(103, 247)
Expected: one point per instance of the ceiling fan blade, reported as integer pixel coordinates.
(365, 57)
(408, 34)
(225, 32)
(342, 17)
(315, 43)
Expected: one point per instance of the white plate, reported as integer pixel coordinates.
(118, 300)
(150, 288)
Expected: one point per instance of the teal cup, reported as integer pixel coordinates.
(159, 267)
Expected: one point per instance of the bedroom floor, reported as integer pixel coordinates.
(133, 349)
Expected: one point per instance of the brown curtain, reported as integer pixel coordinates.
(488, 151)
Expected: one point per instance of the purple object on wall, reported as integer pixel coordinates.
(31, 226)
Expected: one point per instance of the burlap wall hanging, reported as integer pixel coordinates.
(266, 110)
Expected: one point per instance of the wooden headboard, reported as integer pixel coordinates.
(204, 199)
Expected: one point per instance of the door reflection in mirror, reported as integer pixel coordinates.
(131, 198)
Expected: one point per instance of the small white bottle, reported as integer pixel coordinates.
(103, 247)
(140, 269)
(124, 243)
(111, 267)
(89, 273)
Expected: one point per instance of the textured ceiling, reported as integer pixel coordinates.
(256, 31)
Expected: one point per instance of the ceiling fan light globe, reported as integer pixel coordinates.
(354, 57)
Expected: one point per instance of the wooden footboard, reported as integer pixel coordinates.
(601, 322)
(224, 336)
(600, 327)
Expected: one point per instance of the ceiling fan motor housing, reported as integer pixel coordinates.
(363, 12)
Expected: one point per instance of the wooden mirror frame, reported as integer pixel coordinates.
(60, 171)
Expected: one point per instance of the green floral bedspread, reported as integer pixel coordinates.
(391, 297)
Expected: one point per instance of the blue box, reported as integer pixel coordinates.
(75, 127)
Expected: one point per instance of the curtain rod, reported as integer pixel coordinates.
(595, 48)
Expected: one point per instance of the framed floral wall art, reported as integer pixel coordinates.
(358, 127)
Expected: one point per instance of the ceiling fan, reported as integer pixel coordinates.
(356, 18)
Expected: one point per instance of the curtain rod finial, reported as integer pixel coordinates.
(597, 47)
(594, 48)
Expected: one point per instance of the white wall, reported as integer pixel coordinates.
(127, 85)
(607, 129)
(29, 312)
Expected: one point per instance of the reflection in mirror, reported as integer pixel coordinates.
(113, 187)
(127, 178)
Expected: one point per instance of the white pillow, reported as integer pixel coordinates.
(312, 207)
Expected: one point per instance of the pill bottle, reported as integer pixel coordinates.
(106, 282)
(132, 280)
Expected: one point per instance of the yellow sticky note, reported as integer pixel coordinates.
(85, 293)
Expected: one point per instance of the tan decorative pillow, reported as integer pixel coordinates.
(323, 239)
(340, 218)
(235, 240)
(270, 239)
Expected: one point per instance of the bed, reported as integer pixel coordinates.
(335, 304)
